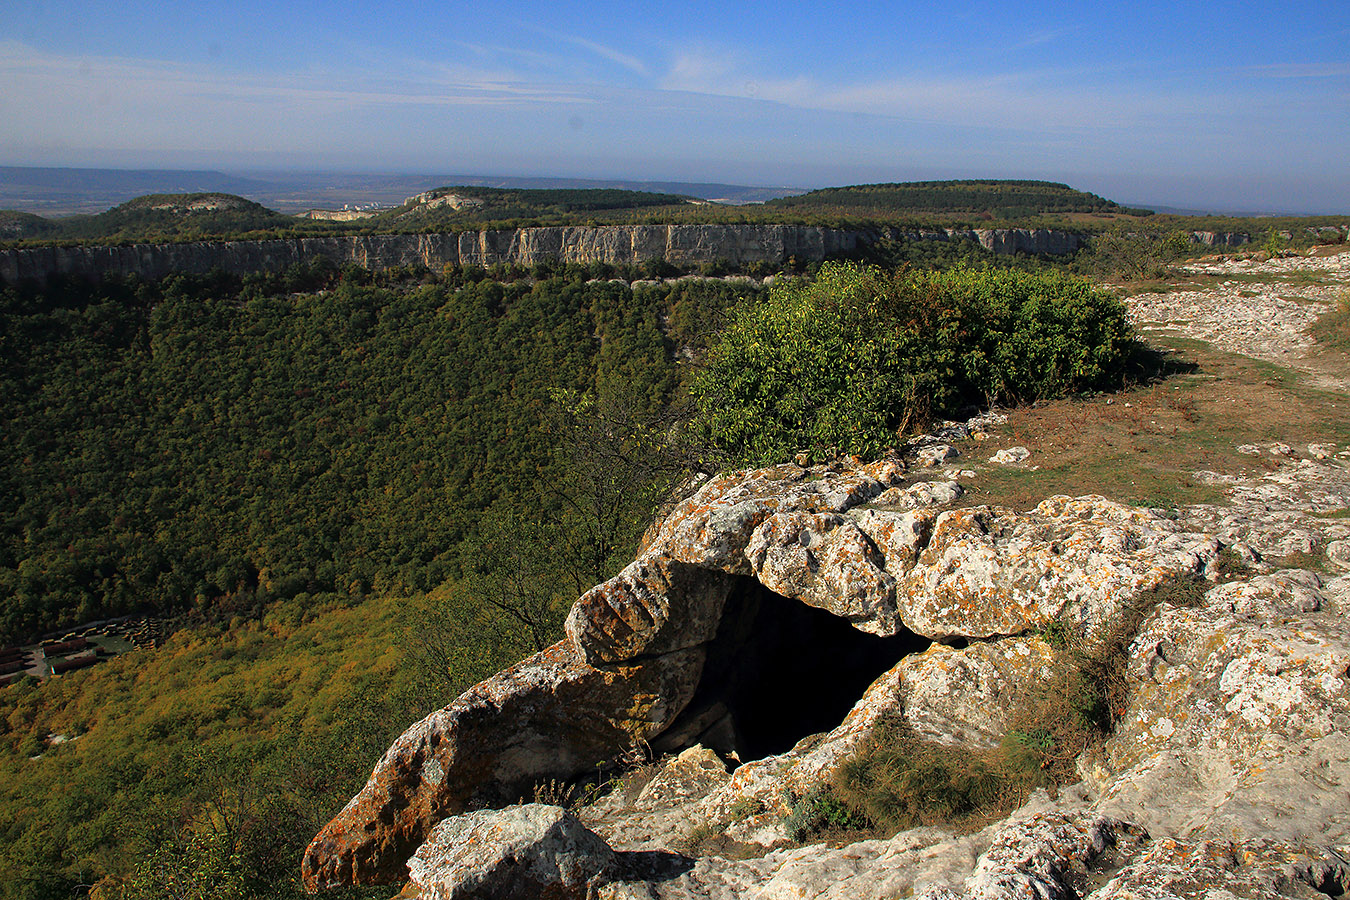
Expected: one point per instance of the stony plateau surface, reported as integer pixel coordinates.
(1229, 771)
(1263, 311)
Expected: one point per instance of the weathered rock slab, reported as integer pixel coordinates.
(1239, 720)
(656, 605)
(550, 716)
(987, 571)
(712, 528)
(519, 853)
(825, 561)
(1255, 870)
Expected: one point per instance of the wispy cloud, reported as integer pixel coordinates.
(1042, 37)
(631, 63)
(1025, 100)
(1302, 70)
(720, 73)
(38, 78)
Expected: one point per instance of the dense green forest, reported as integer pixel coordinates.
(214, 443)
(357, 494)
(998, 199)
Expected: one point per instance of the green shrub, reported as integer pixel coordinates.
(1333, 328)
(1132, 256)
(852, 359)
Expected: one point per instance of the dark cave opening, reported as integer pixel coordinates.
(777, 671)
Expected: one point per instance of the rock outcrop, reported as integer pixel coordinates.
(681, 245)
(549, 716)
(1230, 767)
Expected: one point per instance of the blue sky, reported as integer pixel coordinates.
(1233, 106)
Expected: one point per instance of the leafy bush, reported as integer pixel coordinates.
(848, 361)
(1133, 256)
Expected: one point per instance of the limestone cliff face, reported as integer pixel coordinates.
(681, 245)
(617, 245)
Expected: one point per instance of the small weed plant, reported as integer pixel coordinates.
(822, 811)
(1232, 564)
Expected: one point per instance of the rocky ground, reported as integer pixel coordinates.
(1261, 309)
(1226, 774)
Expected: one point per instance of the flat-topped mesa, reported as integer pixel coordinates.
(759, 611)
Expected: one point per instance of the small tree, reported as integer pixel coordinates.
(1134, 256)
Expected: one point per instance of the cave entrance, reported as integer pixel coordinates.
(777, 671)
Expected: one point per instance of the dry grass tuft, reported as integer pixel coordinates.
(899, 780)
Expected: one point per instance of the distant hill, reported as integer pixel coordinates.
(61, 192)
(999, 199)
(19, 225)
(467, 203)
(51, 191)
(717, 192)
(161, 217)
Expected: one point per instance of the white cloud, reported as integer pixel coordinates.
(38, 83)
(631, 63)
(1028, 101)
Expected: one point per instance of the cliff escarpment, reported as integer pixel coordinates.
(681, 245)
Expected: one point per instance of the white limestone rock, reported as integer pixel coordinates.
(825, 561)
(935, 455)
(987, 571)
(518, 853)
(1239, 722)
(922, 495)
(1010, 456)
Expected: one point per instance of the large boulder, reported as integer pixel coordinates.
(550, 716)
(526, 852)
(656, 605)
(825, 561)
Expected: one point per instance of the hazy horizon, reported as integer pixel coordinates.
(360, 190)
(1230, 108)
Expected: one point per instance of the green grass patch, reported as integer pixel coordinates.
(1314, 561)
(1144, 445)
(1232, 565)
